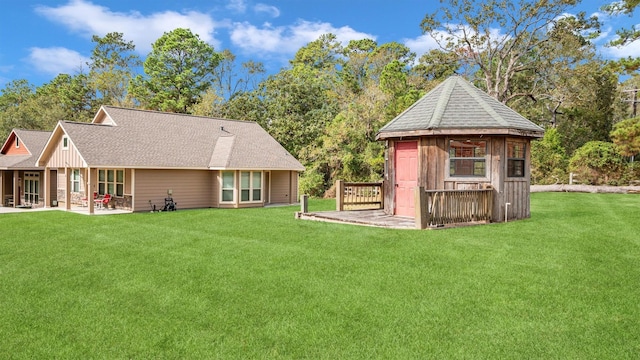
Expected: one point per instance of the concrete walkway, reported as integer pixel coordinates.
(375, 218)
(75, 209)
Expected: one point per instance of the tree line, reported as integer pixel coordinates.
(327, 105)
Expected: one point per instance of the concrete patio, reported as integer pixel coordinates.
(83, 210)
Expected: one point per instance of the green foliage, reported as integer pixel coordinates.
(178, 71)
(626, 135)
(598, 162)
(548, 159)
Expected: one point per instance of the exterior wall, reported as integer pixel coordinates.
(13, 150)
(65, 158)
(284, 187)
(190, 188)
(434, 175)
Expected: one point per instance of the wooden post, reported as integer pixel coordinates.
(91, 178)
(16, 188)
(382, 195)
(47, 187)
(339, 195)
(304, 203)
(67, 188)
(421, 211)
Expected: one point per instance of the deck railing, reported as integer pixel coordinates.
(356, 196)
(442, 207)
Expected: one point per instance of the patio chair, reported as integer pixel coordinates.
(85, 201)
(103, 202)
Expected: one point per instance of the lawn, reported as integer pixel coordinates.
(256, 283)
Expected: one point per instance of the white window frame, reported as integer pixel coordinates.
(17, 142)
(223, 188)
(31, 179)
(76, 180)
(65, 142)
(251, 188)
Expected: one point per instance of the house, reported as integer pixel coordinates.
(454, 138)
(141, 157)
(21, 181)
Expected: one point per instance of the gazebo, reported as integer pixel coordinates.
(458, 155)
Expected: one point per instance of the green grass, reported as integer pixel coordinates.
(256, 283)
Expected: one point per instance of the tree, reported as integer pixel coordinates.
(469, 29)
(178, 71)
(626, 7)
(626, 135)
(113, 63)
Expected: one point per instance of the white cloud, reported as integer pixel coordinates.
(237, 6)
(57, 60)
(632, 49)
(287, 40)
(421, 45)
(89, 19)
(267, 9)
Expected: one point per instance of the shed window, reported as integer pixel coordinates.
(515, 159)
(467, 158)
(250, 186)
(228, 186)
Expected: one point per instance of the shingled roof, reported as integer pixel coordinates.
(131, 138)
(457, 107)
(33, 140)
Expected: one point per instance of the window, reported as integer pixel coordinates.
(111, 182)
(17, 142)
(228, 186)
(515, 159)
(250, 186)
(467, 158)
(65, 142)
(31, 188)
(75, 180)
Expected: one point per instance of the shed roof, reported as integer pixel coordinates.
(120, 137)
(33, 140)
(457, 107)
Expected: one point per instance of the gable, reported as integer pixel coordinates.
(57, 155)
(14, 146)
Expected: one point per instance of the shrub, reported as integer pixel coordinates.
(597, 163)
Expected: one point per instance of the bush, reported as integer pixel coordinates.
(598, 163)
(312, 183)
(548, 160)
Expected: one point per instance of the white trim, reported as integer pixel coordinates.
(487, 161)
(234, 189)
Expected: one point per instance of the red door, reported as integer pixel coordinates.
(406, 163)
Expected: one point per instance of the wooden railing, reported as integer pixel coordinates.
(356, 196)
(442, 207)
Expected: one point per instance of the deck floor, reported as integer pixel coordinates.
(375, 218)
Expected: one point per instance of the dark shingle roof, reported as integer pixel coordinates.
(154, 139)
(34, 141)
(456, 104)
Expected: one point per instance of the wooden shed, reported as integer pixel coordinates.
(458, 155)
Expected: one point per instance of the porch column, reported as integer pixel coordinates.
(2, 187)
(16, 188)
(47, 187)
(91, 178)
(67, 188)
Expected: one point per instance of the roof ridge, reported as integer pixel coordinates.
(443, 100)
(177, 114)
(474, 92)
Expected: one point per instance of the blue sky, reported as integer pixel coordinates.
(42, 38)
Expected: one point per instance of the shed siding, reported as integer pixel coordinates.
(191, 188)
